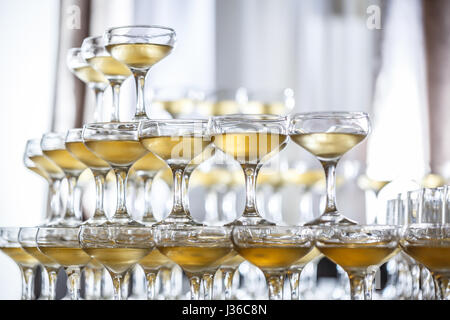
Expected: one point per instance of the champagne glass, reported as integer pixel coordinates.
(273, 249)
(222, 102)
(33, 153)
(426, 239)
(53, 147)
(250, 140)
(60, 244)
(27, 240)
(94, 52)
(276, 102)
(177, 142)
(95, 80)
(139, 48)
(118, 145)
(328, 136)
(178, 102)
(359, 250)
(117, 247)
(196, 249)
(9, 245)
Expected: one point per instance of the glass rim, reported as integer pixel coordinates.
(362, 227)
(241, 117)
(112, 125)
(142, 26)
(427, 225)
(329, 115)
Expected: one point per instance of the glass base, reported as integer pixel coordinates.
(331, 218)
(66, 223)
(140, 117)
(183, 220)
(121, 223)
(250, 221)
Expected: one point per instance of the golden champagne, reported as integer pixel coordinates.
(231, 260)
(117, 152)
(310, 256)
(257, 107)
(139, 55)
(117, 260)
(218, 108)
(110, 67)
(67, 257)
(195, 259)
(48, 166)
(273, 257)
(154, 260)
(94, 264)
(328, 145)
(149, 162)
(307, 178)
(435, 255)
(20, 256)
(213, 177)
(358, 256)
(64, 160)
(175, 107)
(270, 177)
(176, 148)
(82, 153)
(249, 147)
(42, 258)
(40, 172)
(87, 74)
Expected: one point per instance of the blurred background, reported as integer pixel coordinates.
(390, 58)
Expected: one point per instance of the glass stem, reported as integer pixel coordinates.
(294, 281)
(151, 284)
(357, 286)
(54, 205)
(98, 105)
(442, 284)
(70, 211)
(148, 209)
(117, 284)
(27, 284)
(177, 210)
(195, 287)
(330, 175)
(166, 279)
(251, 174)
(44, 294)
(208, 286)
(52, 276)
(73, 282)
(228, 275)
(121, 207)
(115, 87)
(275, 284)
(186, 176)
(99, 213)
(126, 284)
(368, 284)
(139, 78)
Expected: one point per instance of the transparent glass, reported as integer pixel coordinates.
(118, 248)
(118, 145)
(61, 245)
(197, 250)
(95, 80)
(251, 140)
(53, 147)
(94, 52)
(139, 48)
(9, 245)
(359, 250)
(178, 102)
(276, 102)
(273, 249)
(328, 136)
(178, 143)
(27, 240)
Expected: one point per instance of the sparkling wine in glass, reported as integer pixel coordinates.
(139, 48)
(95, 80)
(94, 52)
(328, 136)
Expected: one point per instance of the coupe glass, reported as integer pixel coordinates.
(196, 249)
(27, 239)
(359, 250)
(53, 147)
(328, 136)
(60, 244)
(276, 102)
(91, 77)
(273, 249)
(250, 140)
(118, 145)
(139, 48)
(426, 239)
(177, 142)
(55, 175)
(117, 247)
(94, 52)
(9, 245)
